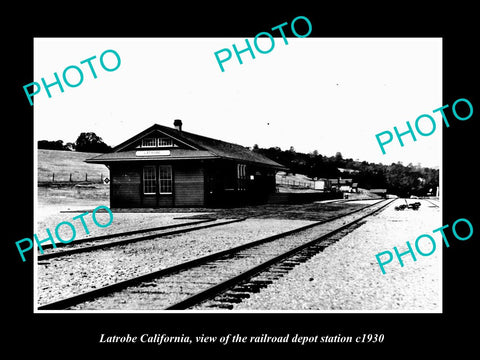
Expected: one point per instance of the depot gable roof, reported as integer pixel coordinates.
(188, 146)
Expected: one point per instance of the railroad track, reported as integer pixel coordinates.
(117, 239)
(189, 284)
(435, 204)
(262, 276)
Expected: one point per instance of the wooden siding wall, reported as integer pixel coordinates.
(188, 185)
(125, 187)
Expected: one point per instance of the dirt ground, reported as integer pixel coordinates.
(60, 199)
(347, 276)
(61, 203)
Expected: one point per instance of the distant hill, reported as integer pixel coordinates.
(398, 179)
(64, 163)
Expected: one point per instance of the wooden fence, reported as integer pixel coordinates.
(72, 178)
(306, 184)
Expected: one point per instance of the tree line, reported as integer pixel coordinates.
(86, 142)
(396, 178)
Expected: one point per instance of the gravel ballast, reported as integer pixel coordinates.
(346, 275)
(62, 277)
(121, 222)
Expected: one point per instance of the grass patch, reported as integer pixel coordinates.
(64, 163)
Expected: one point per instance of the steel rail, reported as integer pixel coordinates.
(57, 254)
(125, 233)
(431, 202)
(106, 290)
(225, 285)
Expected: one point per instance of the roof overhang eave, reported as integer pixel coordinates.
(146, 158)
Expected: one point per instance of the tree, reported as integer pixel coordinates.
(51, 145)
(70, 146)
(90, 142)
(396, 178)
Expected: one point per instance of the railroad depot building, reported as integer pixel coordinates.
(169, 167)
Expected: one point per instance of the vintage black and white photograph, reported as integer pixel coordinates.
(274, 174)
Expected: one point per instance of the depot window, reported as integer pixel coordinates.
(157, 142)
(241, 177)
(149, 180)
(165, 142)
(149, 142)
(165, 179)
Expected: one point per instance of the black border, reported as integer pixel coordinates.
(60, 335)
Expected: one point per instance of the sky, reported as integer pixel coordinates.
(325, 94)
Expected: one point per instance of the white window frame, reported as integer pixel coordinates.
(149, 146)
(160, 179)
(170, 142)
(241, 177)
(144, 179)
(154, 142)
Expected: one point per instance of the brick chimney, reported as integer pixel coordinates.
(178, 124)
